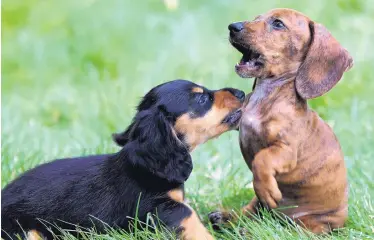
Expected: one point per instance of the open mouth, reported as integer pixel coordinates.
(233, 118)
(251, 58)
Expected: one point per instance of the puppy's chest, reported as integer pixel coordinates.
(257, 130)
(252, 125)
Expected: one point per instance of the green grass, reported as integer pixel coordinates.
(73, 71)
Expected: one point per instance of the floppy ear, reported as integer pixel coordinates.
(324, 64)
(155, 148)
(147, 102)
(122, 138)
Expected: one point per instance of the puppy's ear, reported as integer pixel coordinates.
(324, 64)
(147, 102)
(122, 138)
(155, 147)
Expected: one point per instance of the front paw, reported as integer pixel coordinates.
(268, 192)
(217, 219)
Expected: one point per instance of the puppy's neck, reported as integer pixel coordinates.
(267, 86)
(270, 89)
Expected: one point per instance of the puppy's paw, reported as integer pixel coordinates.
(268, 192)
(217, 219)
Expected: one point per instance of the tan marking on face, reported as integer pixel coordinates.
(34, 235)
(224, 100)
(193, 229)
(201, 129)
(197, 90)
(176, 195)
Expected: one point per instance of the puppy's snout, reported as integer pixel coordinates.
(238, 94)
(236, 27)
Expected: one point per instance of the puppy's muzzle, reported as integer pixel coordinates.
(233, 118)
(240, 95)
(235, 28)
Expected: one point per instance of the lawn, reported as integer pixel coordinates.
(73, 72)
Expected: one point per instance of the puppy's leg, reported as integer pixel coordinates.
(311, 223)
(179, 215)
(324, 223)
(269, 162)
(193, 229)
(252, 207)
(221, 217)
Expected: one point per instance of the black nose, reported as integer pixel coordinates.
(239, 95)
(236, 27)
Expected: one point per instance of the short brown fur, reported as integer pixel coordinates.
(294, 155)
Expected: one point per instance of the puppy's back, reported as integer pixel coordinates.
(48, 190)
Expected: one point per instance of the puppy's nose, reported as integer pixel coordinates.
(239, 95)
(236, 27)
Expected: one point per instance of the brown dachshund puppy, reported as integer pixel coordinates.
(296, 159)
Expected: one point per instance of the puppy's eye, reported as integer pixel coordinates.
(202, 99)
(278, 24)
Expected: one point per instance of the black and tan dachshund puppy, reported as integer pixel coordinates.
(149, 171)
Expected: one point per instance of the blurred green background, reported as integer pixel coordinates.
(73, 72)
